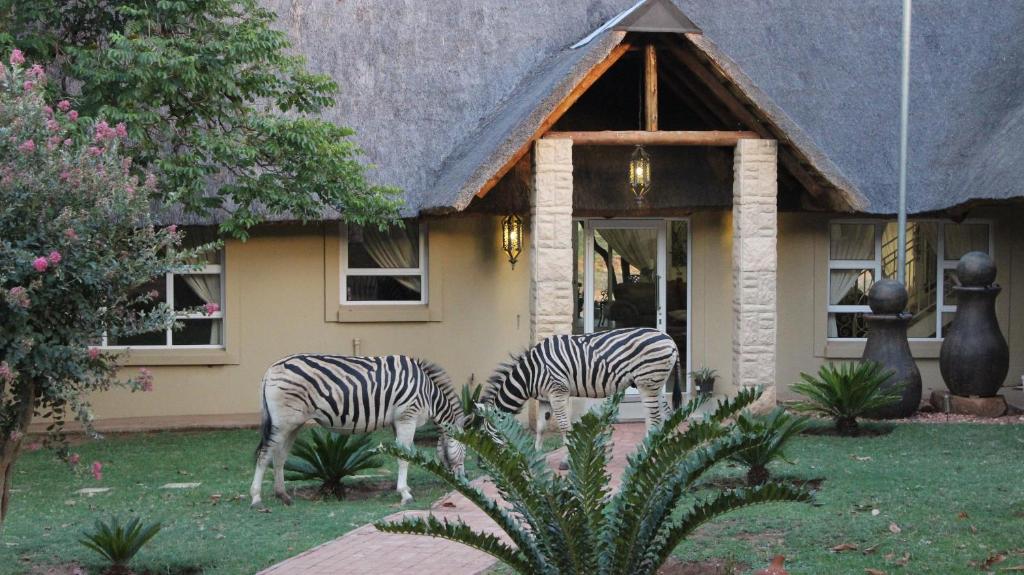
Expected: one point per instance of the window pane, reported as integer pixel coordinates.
(852, 241)
(198, 332)
(196, 290)
(850, 287)
(846, 325)
(157, 288)
(370, 248)
(949, 281)
(675, 290)
(922, 324)
(154, 338)
(384, 288)
(947, 320)
(578, 274)
(196, 236)
(922, 247)
(963, 238)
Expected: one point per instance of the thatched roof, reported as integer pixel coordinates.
(442, 93)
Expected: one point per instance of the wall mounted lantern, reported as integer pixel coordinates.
(640, 174)
(512, 237)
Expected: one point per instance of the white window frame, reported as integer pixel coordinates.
(876, 265)
(420, 272)
(208, 269)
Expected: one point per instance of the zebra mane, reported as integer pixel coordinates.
(499, 377)
(440, 378)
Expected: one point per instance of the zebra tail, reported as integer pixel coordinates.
(266, 425)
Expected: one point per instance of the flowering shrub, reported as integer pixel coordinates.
(77, 243)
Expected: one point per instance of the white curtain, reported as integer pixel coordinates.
(854, 242)
(638, 247)
(395, 248)
(207, 287)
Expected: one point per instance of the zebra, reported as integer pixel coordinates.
(592, 365)
(354, 395)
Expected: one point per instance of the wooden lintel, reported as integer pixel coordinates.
(740, 111)
(663, 138)
(650, 89)
(588, 80)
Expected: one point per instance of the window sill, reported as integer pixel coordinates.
(155, 357)
(387, 313)
(835, 349)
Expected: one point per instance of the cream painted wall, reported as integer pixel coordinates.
(279, 308)
(278, 304)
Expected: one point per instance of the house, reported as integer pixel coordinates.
(771, 129)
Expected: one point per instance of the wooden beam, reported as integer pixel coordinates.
(730, 100)
(662, 138)
(588, 80)
(650, 89)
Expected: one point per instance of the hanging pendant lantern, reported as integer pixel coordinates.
(512, 237)
(640, 174)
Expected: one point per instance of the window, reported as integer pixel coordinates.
(862, 251)
(384, 267)
(186, 293)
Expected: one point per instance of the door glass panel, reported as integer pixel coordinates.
(625, 278)
(676, 308)
(578, 277)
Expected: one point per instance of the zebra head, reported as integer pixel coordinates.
(452, 454)
(510, 385)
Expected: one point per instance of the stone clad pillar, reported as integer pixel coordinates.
(754, 267)
(551, 256)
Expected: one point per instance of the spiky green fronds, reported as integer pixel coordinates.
(118, 541)
(845, 391)
(774, 431)
(460, 533)
(330, 457)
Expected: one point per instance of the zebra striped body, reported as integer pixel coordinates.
(594, 365)
(353, 395)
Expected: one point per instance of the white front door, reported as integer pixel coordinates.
(635, 273)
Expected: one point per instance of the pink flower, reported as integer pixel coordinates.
(64, 175)
(73, 115)
(6, 373)
(150, 183)
(17, 58)
(34, 446)
(63, 105)
(173, 228)
(67, 142)
(27, 86)
(69, 233)
(74, 458)
(211, 308)
(28, 146)
(19, 297)
(94, 352)
(16, 435)
(121, 130)
(97, 470)
(54, 257)
(52, 125)
(145, 379)
(48, 111)
(40, 264)
(37, 72)
(95, 151)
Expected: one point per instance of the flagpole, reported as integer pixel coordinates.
(901, 218)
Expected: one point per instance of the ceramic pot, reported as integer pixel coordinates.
(887, 345)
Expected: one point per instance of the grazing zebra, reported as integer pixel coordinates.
(592, 365)
(354, 395)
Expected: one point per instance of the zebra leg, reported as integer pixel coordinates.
(560, 408)
(655, 407)
(280, 452)
(405, 430)
(543, 414)
(262, 461)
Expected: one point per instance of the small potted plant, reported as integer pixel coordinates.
(704, 379)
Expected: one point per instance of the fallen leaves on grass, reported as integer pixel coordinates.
(895, 529)
(844, 547)
(775, 568)
(871, 571)
(992, 560)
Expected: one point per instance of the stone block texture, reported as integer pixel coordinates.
(755, 266)
(551, 239)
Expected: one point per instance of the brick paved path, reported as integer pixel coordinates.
(367, 551)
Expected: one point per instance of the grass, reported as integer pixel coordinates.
(201, 531)
(954, 492)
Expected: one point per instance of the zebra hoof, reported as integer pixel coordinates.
(257, 505)
(406, 497)
(285, 498)
(563, 465)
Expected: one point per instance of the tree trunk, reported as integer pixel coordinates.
(756, 475)
(10, 445)
(847, 426)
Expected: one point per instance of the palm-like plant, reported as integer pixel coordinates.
(845, 392)
(775, 430)
(574, 524)
(118, 541)
(470, 398)
(331, 457)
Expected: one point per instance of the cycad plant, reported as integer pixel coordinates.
(118, 541)
(576, 524)
(845, 392)
(330, 457)
(775, 430)
(470, 398)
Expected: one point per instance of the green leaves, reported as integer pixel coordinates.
(575, 524)
(845, 392)
(215, 104)
(330, 457)
(118, 541)
(774, 431)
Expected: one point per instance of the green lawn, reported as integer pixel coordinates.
(955, 493)
(47, 515)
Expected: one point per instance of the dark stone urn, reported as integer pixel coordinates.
(887, 344)
(975, 357)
